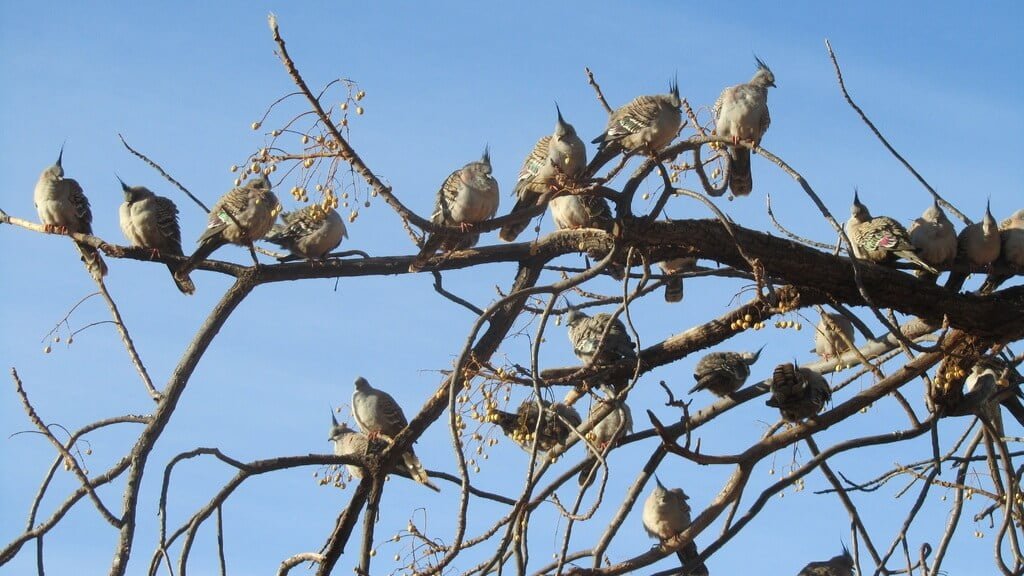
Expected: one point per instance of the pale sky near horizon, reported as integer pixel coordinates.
(183, 83)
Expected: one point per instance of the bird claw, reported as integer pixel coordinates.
(465, 227)
(154, 253)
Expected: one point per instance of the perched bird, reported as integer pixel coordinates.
(880, 240)
(574, 211)
(63, 207)
(562, 154)
(585, 335)
(556, 423)
(347, 441)
(723, 373)
(798, 392)
(151, 221)
(741, 113)
(243, 215)
(979, 387)
(978, 245)
(934, 238)
(841, 565)
(468, 196)
(1011, 233)
(828, 336)
(310, 232)
(646, 124)
(614, 425)
(674, 284)
(665, 515)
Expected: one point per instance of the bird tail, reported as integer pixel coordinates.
(688, 559)
(926, 276)
(430, 245)
(589, 471)
(184, 283)
(917, 260)
(741, 181)
(93, 261)
(416, 471)
(992, 282)
(605, 153)
(674, 289)
(206, 247)
(509, 232)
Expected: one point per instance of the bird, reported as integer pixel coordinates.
(585, 335)
(978, 245)
(880, 240)
(310, 232)
(241, 216)
(646, 124)
(829, 341)
(556, 424)
(347, 441)
(841, 565)
(723, 373)
(615, 424)
(575, 211)
(798, 392)
(556, 158)
(741, 113)
(468, 196)
(63, 207)
(934, 238)
(1011, 234)
(979, 386)
(674, 283)
(151, 221)
(665, 515)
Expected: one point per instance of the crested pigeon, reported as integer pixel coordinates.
(62, 206)
(614, 425)
(647, 124)
(1011, 234)
(841, 565)
(934, 238)
(241, 216)
(556, 423)
(741, 113)
(151, 221)
(347, 441)
(798, 392)
(829, 341)
(468, 196)
(723, 373)
(674, 283)
(978, 245)
(585, 335)
(880, 240)
(562, 154)
(665, 515)
(310, 232)
(573, 211)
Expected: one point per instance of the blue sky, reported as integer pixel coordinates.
(182, 83)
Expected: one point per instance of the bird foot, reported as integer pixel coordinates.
(466, 227)
(154, 253)
(55, 229)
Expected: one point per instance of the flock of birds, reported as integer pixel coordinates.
(556, 163)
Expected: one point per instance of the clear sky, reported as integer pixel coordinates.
(184, 81)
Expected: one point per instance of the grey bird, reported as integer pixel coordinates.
(243, 215)
(310, 232)
(665, 515)
(979, 386)
(556, 424)
(1011, 253)
(829, 335)
(741, 113)
(647, 124)
(841, 565)
(575, 211)
(554, 161)
(723, 373)
(151, 221)
(934, 238)
(614, 425)
(880, 240)
(63, 207)
(674, 284)
(585, 335)
(347, 441)
(798, 392)
(978, 246)
(468, 196)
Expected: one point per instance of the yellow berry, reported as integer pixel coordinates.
(255, 125)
